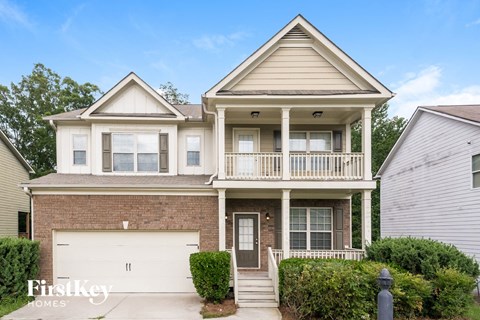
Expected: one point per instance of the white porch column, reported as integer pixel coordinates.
(367, 142)
(286, 223)
(366, 218)
(348, 138)
(221, 219)
(286, 143)
(221, 143)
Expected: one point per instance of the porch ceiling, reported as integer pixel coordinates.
(331, 115)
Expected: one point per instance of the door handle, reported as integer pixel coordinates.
(256, 241)
(129, 267)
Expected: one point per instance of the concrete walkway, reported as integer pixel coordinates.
(153, 306)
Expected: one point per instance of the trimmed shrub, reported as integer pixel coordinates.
(341, 289)
(211, 274)
(19, 260)
(421, 256)
(452, 293)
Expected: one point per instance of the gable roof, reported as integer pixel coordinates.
(299, 29)
(15, 152)
(89, 112)
(464, 113)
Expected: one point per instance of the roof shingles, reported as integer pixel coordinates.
(466, 112)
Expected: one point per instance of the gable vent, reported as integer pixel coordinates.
(296, 34)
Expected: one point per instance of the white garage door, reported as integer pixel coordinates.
(130, 261)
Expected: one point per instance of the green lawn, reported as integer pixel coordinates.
(11, 304)
(474, 312)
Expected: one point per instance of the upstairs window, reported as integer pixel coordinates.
(319, 141)
(476, 170)
(80, 149)
(135, 152)
(193, 150)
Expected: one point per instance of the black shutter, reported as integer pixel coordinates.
(106, 152)
(277, 141)
(338, 229)
(337, 141)
(163, 152)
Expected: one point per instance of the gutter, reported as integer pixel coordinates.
(28, 192)
(214, 114)
(52, 124)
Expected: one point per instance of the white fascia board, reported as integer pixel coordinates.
(282, 184)
(124, 191)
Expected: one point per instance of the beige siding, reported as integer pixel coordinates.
(133, 99)
(65, 150)
(12, 198)
(426, 190)
(295, 69)
(266, 134)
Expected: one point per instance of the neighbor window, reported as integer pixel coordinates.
(311, 228)
(135, 152)
(193, 150)
(80, 149)
(476, 171)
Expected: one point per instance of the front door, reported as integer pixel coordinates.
(246, 240)
(246, 143)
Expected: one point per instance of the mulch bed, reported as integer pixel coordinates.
(224, 309)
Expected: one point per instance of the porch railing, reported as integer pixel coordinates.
(326, 166)
(348, 254)
(253, 166)
(303, 166)
(233, 258)
(273, 273)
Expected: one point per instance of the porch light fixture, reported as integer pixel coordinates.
(317, 114)
(267, 216)
(255, 114)
(226, 215)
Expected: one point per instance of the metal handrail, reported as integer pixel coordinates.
(235, 274)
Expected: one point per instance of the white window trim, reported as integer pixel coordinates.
(308, 231)
(73, 150)
(235, 131)
(474, 172)
(199, 151)
(308, 140)
(135, 153)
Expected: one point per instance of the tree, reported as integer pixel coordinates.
(385, 132)
(23, 105)
(172, 95)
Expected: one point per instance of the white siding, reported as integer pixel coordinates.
(12, 198)
(295, 69)
(133, 99)
(96, 144)
(207, 151)
(426, 191)
(65, 150)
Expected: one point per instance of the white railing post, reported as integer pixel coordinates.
(235, 274)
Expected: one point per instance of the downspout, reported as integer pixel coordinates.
(214, 114)
(29, 193)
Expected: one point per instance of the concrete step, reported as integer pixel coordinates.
(268, 303)
(256, 295)
(255, 282)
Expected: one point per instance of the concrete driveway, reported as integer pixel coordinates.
(117, 306)
(146, 306)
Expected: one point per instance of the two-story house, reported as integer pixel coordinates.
(14, 203)
(264, 162)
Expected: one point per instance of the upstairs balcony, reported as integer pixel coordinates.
(302, 166)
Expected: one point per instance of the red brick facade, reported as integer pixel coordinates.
(72, 212)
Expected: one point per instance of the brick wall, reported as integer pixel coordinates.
(76, 212)
(272, 206)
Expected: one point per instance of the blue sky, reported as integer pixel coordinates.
(427, 51)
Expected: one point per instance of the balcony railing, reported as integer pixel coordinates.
(347, 254)
(303, 166)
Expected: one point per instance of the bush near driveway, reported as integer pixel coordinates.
(19, 262)
(341, 289)
(211, 274)
(421, 256)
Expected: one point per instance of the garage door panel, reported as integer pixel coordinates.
(129, 261)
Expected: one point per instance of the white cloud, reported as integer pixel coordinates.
(424, 89)
(66, 25)
(12, 14)
(215, 42)
(473, 23)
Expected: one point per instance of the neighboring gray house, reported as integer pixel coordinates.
(430, 181)
(14, 203)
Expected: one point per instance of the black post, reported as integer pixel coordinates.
(385, 298)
